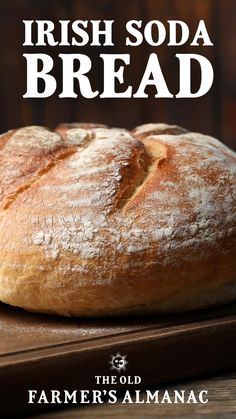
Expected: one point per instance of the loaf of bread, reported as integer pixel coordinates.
(98, 221)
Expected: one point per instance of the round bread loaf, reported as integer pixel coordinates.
(97, 221)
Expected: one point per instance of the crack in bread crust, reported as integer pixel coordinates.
(147, 161)
(155, 155)
(65, 150)
(63, 155)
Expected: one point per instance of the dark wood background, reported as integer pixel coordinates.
(214, 113)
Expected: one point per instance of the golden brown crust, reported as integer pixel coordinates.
(62, 128)
(146, 130)
(98, 221)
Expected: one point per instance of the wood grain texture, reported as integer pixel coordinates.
(43, 352)
(226, 68)
(212, 114)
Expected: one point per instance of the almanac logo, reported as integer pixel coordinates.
(118, 362)
(102, 395)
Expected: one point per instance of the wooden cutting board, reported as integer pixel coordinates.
(48, 352)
